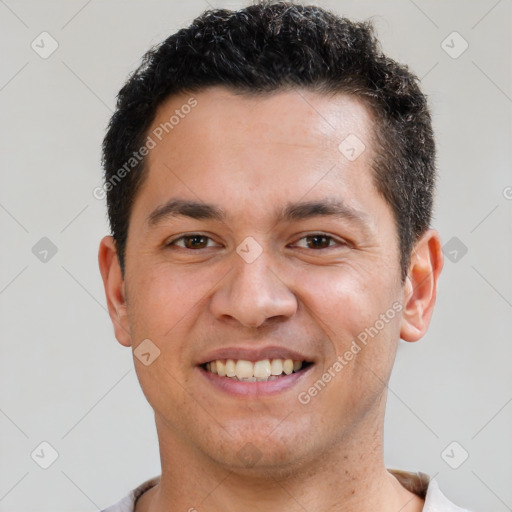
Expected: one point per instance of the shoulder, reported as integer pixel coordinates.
(127, 504)
(436, 501)
(427, 488)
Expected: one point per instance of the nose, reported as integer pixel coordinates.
(253, 293)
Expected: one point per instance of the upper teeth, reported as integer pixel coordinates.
(242, 369)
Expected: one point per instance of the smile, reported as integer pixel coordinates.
(258, 371)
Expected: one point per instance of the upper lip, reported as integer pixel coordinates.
(254, 354)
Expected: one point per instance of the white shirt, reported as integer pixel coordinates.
(418, 483)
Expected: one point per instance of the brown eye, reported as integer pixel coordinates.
(194, 241)
(318, 241)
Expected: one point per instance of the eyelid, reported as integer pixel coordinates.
(339, 241)
(172, 242)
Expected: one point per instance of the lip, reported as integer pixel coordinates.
(254, 354)
(258, 389)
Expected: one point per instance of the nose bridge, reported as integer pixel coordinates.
(253, 292)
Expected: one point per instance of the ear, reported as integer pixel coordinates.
(113, 283)
(419, 294)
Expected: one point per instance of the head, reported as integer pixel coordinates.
(298, 162)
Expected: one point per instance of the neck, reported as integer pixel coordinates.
(347, 477)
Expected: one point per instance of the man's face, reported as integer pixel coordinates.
(259, 284)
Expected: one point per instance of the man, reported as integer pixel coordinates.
(269, 177)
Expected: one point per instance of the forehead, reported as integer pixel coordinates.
(298, 117)
(249, 150)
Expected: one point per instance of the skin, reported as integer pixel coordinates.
(251, 157)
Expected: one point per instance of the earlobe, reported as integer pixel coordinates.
(420, 289)
(114, 286)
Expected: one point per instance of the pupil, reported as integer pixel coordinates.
(193, 241)
(317, 239)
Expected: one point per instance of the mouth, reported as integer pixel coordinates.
(263, 370)
(255, 372)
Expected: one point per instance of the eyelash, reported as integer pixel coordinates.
(312, 235)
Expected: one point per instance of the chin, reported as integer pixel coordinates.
(262, 449)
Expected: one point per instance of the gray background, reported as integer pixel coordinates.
(65, 379)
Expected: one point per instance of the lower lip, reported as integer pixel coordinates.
(255, 389)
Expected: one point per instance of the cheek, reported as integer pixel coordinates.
(345, 300)
(161, 296)
(355, 312)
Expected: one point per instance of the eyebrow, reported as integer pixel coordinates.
(327, 207)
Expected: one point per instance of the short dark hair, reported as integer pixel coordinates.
(269, 47)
